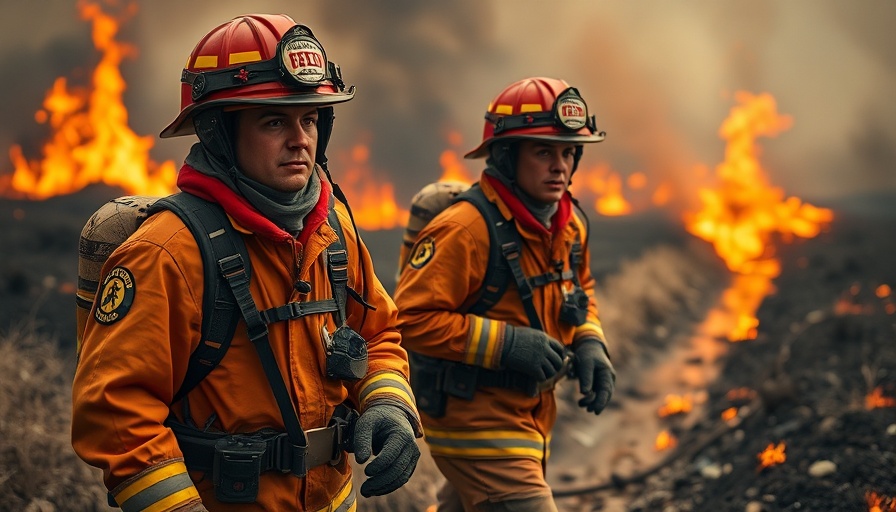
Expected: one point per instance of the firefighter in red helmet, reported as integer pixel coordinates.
(485, 384)
(313, 369)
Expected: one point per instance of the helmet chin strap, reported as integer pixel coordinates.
(216, 132)
(503, 157)
(325, 117)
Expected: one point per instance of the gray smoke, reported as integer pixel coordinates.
(659, 76)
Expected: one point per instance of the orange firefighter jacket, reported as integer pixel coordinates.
(446, 269)
(130, 369)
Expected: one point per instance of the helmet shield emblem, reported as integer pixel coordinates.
(302, 57)
(570, 110)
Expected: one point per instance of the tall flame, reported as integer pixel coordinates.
(90, 141)
(741, 216)
(372, 201)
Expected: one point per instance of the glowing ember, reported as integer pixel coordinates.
(876, 399)
(675, 404)
(740, 395)
(880, 503)
(847, 303)
(372, 200)
(729, 413)
(665, 441)
(772, 455)
(743, 214)
(882, 291)
(90, 141)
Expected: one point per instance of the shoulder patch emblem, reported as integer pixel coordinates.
(423, 253)
(115, 296)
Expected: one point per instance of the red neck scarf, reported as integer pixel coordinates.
(524, 217)
(214, 190)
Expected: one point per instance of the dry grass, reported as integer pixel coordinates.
(39, 472)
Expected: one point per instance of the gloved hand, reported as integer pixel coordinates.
(384, 430)
(531, 352)
(597, 378)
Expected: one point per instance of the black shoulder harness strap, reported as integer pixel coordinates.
(227, 274)
(218, 242)
(505, 248)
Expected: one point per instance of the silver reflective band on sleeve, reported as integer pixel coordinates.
(160, 489)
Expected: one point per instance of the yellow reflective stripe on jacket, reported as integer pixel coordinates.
(486, 443)
(344, 502)
(383, 384)
(161, 487)
(590, 329)
(482, 345)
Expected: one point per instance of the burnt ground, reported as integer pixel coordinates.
(827, 338)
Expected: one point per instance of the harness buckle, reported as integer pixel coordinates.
(287, 457)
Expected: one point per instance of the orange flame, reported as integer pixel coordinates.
(772, 455)
(876, 399)
(879, 502)
(883, 291)
(604, 184)
(729, 414)
(665, 441)
(372, 201)
(453, 167)
(742, 215)
(91, 141)
(675, 404)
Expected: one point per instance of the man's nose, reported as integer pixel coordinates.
(299, 138)
(560, 163)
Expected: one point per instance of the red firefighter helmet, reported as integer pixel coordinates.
(262, 59)
(538, 108)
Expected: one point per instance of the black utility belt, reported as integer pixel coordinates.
(266, 450)
(433, 380)
(236, 461)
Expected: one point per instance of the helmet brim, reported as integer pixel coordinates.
(183, 125)
(481, 151)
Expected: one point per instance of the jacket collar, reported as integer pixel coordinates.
(238, 208)
(523, 216)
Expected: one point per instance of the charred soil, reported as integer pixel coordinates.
(817, 384)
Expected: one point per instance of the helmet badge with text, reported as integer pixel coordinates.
(538, 108)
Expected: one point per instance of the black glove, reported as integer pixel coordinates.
(531, 352)
(384, 431)
(597, 378)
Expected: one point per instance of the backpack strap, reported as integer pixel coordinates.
(505, 248)
(222, 250)
(337, 268)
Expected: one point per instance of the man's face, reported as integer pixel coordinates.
(543, 169)
(276, 145)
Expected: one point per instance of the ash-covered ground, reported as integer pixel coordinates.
(826, 340)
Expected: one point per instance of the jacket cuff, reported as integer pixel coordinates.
(164, 486)
(589, 330)
(390, 388)
(484, 342)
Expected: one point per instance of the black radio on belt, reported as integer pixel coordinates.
(237, 468)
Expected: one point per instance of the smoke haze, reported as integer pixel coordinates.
(660, 77)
